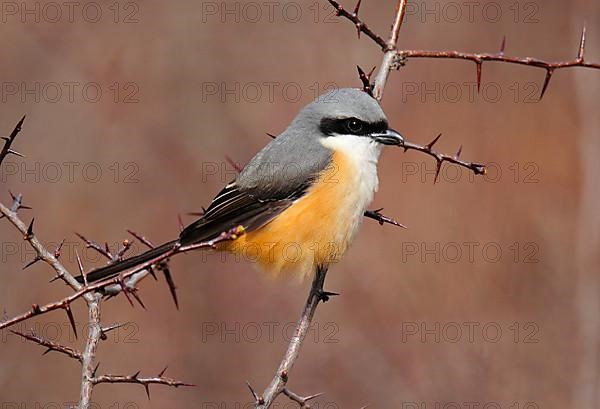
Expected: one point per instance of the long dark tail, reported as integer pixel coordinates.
(116, 268)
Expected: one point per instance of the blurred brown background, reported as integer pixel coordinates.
(490, 297)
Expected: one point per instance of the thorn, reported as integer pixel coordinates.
(370, 74)
(147, 387)
(135, 375)
(438, 168)
(135, 294)
(180, 221)
(581, 52)
(326, 295)
(254, 395)
(56, 277)
(67, 308)
(95, 369)
(36, 309)
(503, 45)
(152, 273)
(357, 7)
(233, 164)
(81, 269)
(161, 373)
(29, 234)
(171, 284)
(358, 26)
(549, 73)
(479, 65)
(106, 330)
(311, 397)
(20, 124)
(271, 135)
(79, 264)
(430, 144)
(459, 152)
(124, 289)
(141, 239)
(32, 262)
(14, 152)
(58, 248)
(365, 79)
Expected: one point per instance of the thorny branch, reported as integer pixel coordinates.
(120, 280)
(394, 58)
(279, 381)
(440, 158)
(50, 345)
(381, 218)
(42, 254)
(92, 295)
(160, 379)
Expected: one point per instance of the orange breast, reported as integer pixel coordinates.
(313, 231)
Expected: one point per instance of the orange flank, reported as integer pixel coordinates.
(314, 231)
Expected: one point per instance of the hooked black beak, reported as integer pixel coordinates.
(388, 137)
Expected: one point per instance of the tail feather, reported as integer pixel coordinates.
(114, 269)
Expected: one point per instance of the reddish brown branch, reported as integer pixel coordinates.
(102, 250)
(160, 379)
(51, 346)
(381, 218)
(41, 252)
(361, 26)
(394, 59)
(479, 58)
(93, 296)
(476, 168)
(279, 381)
(83, 290)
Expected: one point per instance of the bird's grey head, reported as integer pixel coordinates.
(346, 111)
(299, 153)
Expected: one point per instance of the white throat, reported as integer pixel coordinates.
(364, 153)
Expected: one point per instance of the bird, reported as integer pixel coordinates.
(301, 199)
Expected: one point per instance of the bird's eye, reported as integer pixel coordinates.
(354, 125)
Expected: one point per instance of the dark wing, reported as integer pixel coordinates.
(235, 206)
